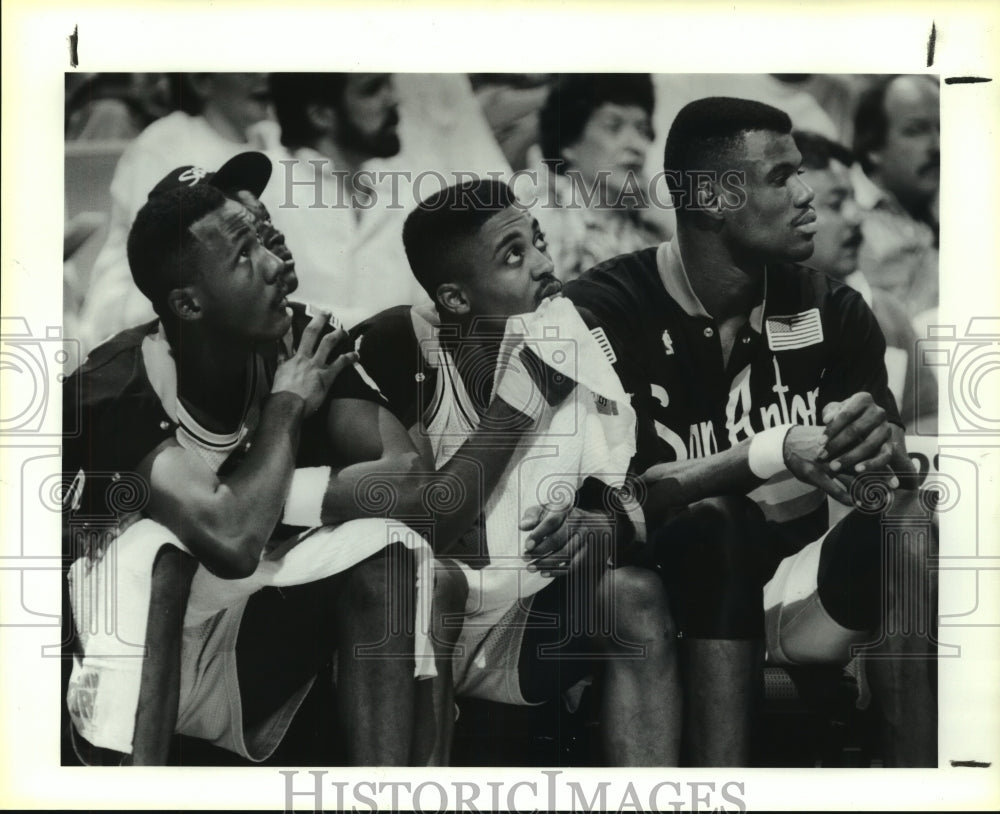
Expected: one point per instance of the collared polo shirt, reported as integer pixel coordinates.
(809, 342)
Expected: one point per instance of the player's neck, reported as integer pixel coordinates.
(726, 286)
(211, 380)
(473, 330)
(345, 159)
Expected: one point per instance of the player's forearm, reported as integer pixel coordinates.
(472, 473)
(404, 486)
(676, 484)
(238, 519)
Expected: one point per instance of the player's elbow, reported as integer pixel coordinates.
(229, 558)
(225, 546)
(231, 565)
(408, 478)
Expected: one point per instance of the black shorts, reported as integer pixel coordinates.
(557, 648)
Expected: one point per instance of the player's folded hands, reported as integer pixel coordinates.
(803, 453)
(858, 438)
(563, 539)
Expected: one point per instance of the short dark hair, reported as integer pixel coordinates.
(292, 93)
(573, 99)
(453, 213)
(705, 130)
(160, 242)
(818, 151)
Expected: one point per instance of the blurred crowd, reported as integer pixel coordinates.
(354, 152)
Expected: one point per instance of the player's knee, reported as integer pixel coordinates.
(918, 537)
(914, 550)
(728, 515)
(173, 571)
(724, 543)
(640, 608)
(713, 557)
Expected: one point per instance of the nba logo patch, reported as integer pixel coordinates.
(668, 343)
(794, 331)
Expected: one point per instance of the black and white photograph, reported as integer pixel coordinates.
(426, 426)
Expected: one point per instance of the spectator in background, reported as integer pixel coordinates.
(221, 114)
(837, 94)
(835, 253)
(510, 103)
(80, 229)
(115, 106)
(783, 91)
(595, 131)
(360, 150)
(897, 142)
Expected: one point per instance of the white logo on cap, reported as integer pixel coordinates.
(194, 175)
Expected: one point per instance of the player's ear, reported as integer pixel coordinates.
(184, 304)
(452, 298)
(709, 201)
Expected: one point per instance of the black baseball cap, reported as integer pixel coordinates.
(250, 171)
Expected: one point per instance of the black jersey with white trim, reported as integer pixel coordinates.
(401, 348)
(810, 342)
(390, 351)
(116, 397)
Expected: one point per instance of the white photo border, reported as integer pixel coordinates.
(871, 37)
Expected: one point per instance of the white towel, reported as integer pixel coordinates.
(320, 553)
(110, 600)
(591, 433)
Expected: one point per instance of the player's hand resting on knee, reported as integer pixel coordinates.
(563, 539)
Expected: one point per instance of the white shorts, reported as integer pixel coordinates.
(485, 664)
(110, 595)
(797, 626)
(486, 661)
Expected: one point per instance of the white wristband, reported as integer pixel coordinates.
(305, 497)
(766, 455)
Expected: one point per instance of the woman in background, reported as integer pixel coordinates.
(592, 197)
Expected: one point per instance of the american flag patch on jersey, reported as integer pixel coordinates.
(605, 406)
(795, 331)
